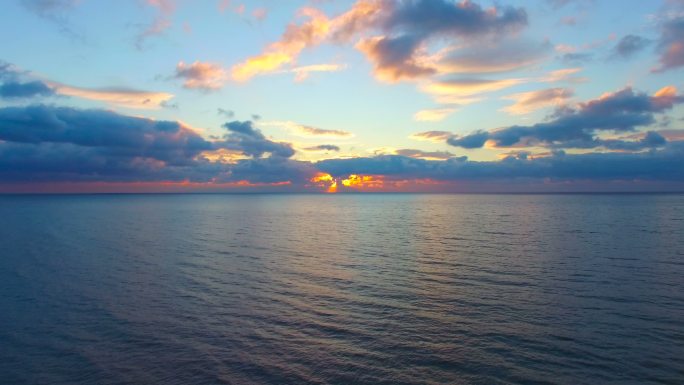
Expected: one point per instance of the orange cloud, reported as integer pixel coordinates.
(468, 87)
(432, 136)
(563, 75)
(379, 183)
(285, 51)
(116, 96)
(223, 155)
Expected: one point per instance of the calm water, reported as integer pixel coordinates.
(354, 289)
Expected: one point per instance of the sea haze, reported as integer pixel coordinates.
(342, 289)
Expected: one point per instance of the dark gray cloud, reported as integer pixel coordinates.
(630, 45)
(248, 139)
(393, 57)
(14, 89)
(59, 144)
(62, 144)
(661, 165)
(409, 24)
(671, 45)
(622, 111)
(443, 17)
(475, 140)
(576, 58)
(273, 169)
(46, 143)
(115, 134)
(323, 147)
(227, 113)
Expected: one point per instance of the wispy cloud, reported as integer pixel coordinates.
(527, 102)
(420, 154)
(322, 148)
(432, 136)
(466, 89)
(123, 97)
(285, 51)
(433, 115)
(162, 21)
(302, 73)
(55, 11)
(307, 131)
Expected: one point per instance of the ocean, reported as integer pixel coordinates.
(342, 289)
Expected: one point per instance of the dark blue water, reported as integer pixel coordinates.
(344, 289)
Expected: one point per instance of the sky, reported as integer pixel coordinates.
(341, 96)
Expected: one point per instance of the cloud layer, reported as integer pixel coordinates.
(41, 143)
(577, 127)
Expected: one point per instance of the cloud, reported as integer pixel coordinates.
(475, 140)
(161, 23)
(115, 136)
(57, 145)
(287, 49)
(432, 136)
(622, 111)
(402, 29)
(563, 75)
(41, 143)
(202, 76)
(433, 115)
(123, 97)
(47, 8)
(661, 165)
(527, 102)
(629, 45)
(493, 57)
(223, 5)
(250, 140)
(17, 90)
(260, 14)
(671, 45)
(302, 73)
(575, 58)
(409, 26)
(55, 11)
(394, 59)
(227, 113)
(21, 84)
(308, 131)
(464, 89)
(420, 154)
(322, 147)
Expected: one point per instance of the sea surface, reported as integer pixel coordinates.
(342, 289)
